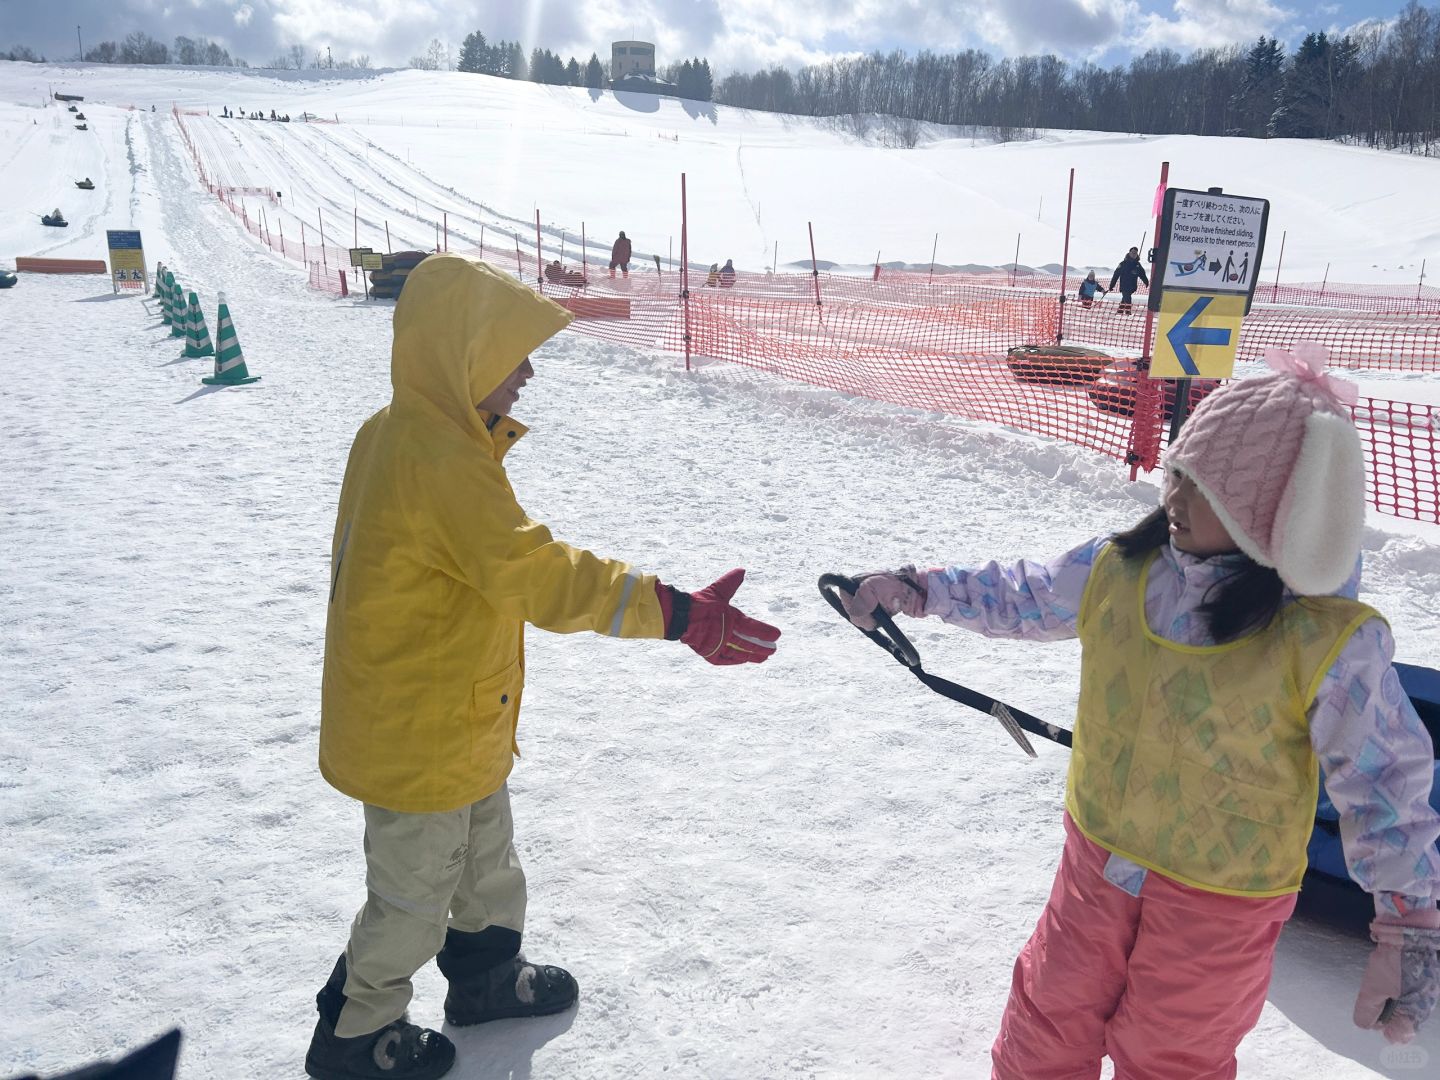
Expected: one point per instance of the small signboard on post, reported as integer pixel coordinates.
(372, 260)
(357, 255)
(1206, 267)
(127, 260)
(1209, 242)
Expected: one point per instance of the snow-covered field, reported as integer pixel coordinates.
(814, 868)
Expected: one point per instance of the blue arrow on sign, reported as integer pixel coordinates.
(1185, 333)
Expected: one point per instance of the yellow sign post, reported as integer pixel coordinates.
(127, 260)
(1196, 335)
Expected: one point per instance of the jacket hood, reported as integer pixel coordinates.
(460, 327)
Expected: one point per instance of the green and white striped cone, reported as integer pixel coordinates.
(162, 290)
(230, 367)
(197, 336)
(178, 314)
(159, 277)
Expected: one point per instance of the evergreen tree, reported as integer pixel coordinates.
(573, 76)
(474, 53)
(594, 73)
(1254, 101)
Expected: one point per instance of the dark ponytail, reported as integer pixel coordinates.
(1242, 601)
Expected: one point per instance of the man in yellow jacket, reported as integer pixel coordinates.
(435, 570)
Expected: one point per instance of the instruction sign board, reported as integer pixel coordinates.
(1209, 242)
(127, 260)
(357, 256)
(372, 260)
(1196, 335)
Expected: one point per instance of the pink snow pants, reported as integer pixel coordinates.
(1166, 984)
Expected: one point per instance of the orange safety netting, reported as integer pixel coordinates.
(994, 346)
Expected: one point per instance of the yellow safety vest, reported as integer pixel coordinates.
(1195, 761)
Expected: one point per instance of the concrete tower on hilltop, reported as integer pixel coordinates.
(631, 58)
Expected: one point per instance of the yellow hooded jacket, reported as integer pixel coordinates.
(435, 568)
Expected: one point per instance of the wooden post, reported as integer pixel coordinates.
(539, 256)
(1064, 261)
(1275, 292)
(324, 258)
(814, 267)
(387, 235)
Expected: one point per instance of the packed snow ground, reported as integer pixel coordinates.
(811, 868)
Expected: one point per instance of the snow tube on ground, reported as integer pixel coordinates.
(54, 222)
(7, 279)
(1332, 893)
(1055, 365)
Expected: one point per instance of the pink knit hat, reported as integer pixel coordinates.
(1279, 460)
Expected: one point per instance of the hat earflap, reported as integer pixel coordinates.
(1321, 517)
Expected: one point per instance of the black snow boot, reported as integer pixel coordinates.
(490, 980)
(398, 1051)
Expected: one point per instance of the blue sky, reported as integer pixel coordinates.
(733, 34)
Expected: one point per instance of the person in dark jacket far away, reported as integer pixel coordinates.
(435, 570)
(620, 255)
(727, 274)
(1126, 275)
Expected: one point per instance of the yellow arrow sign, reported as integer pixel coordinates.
(1196, 335)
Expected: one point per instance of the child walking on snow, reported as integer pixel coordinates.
(1225, 660)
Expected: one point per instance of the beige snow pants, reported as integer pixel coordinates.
(424, 873)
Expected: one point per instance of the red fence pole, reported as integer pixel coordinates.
(1142, 419)
(685, 267)
(519, 265)
(1065, 260)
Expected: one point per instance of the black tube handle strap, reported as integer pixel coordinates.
(890, 638)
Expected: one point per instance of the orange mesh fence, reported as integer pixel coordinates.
(995, 346)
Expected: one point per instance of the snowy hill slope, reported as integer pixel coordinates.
(810, 869)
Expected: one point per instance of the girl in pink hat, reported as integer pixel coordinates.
(1225, 660)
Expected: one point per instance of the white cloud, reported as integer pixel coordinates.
(243, 14)
(1205, 24)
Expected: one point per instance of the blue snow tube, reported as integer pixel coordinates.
(7, 279)
(1327, 857)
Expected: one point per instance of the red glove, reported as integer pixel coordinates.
(713, 627)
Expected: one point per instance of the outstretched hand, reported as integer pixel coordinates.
(720, 632)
